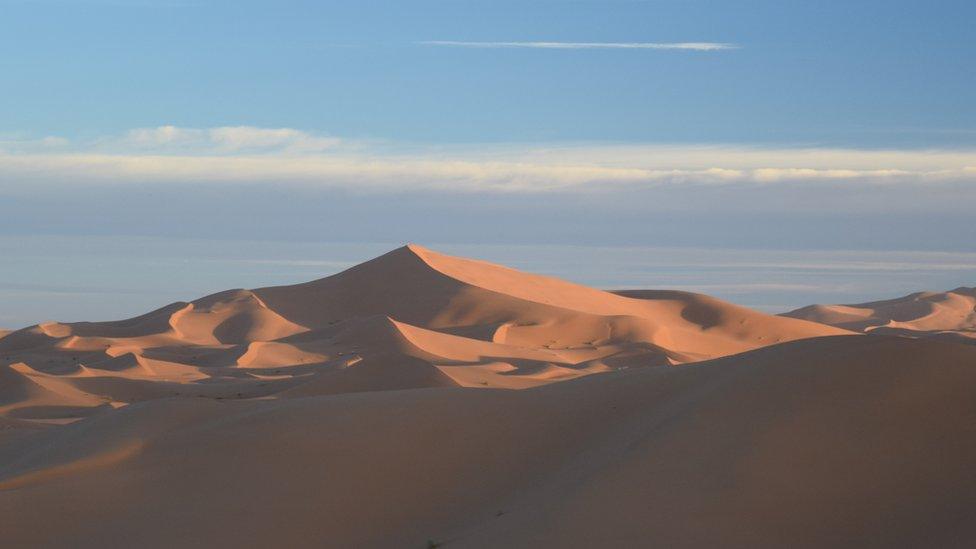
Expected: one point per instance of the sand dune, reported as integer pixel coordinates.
(372, 409)
(872, 447)
(946, 315)
(476, 323)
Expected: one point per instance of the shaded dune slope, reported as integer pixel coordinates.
(826, 442)
(356, 411)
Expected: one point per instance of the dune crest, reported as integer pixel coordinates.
(946, 315)
(472, 322)
(421, 400)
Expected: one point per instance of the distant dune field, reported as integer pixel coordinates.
(945, 315)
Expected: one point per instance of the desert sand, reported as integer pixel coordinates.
(422, 400)
(946, 315)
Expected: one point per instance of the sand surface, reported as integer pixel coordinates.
(944, 315)
(375, 408)
(411, 318)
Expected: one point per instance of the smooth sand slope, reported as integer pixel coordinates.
(373, 409)
(830, 442)
(945, 315)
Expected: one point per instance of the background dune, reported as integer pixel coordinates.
(364, 410)
(469, 322)
(946, 315)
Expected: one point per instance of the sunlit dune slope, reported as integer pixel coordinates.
(470, 322)
(945, 315)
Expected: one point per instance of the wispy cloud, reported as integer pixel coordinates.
(226, 139)
(693, 46)
(250, 155)
(43, 143)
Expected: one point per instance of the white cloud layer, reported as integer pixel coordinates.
(226, 139)
(248, 155)
(693, 46)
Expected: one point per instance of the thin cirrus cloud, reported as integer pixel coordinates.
(225, 139)
(251, 155)
(690, 46)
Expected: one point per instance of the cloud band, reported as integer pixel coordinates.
(250, 155)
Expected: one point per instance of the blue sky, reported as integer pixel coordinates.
(771, 126)
(865, 73)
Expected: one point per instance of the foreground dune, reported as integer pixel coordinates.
(871, 446)
(945, 315)
(371, 409)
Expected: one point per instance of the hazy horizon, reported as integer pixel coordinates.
(748, 128)
(119, 277)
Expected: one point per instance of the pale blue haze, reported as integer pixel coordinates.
(130, 132)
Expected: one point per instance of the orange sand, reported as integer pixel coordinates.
(374, 408)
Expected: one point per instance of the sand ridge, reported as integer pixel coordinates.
(423, 400)
(947, 315)
(479, 324)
